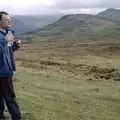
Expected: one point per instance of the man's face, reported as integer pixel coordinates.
(5, 21)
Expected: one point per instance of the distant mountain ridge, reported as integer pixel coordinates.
(82, 27)
(30, 23)
(110, 14)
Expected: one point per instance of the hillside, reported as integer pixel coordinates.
(30, 23)
(67, 80)
(103, 26)
(111, 14)
(19, 26)
(79, 27)
(63, 79)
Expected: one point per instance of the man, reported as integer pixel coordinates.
(7, 68)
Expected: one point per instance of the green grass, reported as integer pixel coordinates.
(55, 97)
(69, 80)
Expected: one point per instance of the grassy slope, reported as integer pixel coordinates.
(110, 14)
(56, 97)
(63, 81)
(80, 27)
(104, 25)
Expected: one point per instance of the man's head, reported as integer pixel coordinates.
(5, 20)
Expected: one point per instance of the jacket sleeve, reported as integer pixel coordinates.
(1, 48)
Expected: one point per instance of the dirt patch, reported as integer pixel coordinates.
(104, 73)
(75, 69)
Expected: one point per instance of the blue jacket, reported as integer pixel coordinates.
(7, 62)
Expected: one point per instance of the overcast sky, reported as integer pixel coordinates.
(57, 6)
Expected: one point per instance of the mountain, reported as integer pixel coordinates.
(111, 14)
(19, 26)
(30, 23)
(80, 27)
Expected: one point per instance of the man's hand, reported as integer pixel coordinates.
(10, 37)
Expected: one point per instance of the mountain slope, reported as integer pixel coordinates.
(31, 23)
(19, 26)
(79, 26)
(111, 14)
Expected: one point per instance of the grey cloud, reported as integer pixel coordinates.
(71, 4)
(66, 6)
(38, 10)
(77, 4)
(110, 3)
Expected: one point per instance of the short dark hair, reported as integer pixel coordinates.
(3, 13)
